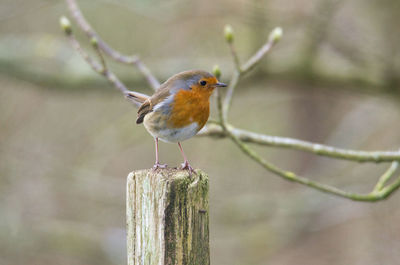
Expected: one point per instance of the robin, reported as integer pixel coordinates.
(178, 109)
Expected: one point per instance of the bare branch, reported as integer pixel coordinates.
(217, 74)
(117, 56)
(229, 37)
(99, 68)
(385, 192)
(95, 45)
(386, 177)
(288, 175)
(273, 38)
(229, 93)
(319, 149)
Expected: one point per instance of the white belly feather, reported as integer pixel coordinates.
(156, 124)
(178, 135)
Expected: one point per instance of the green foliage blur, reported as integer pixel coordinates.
(68, 139)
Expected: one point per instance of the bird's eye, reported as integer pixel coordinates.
(203, 83)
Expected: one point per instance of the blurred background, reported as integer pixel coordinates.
(68, 139)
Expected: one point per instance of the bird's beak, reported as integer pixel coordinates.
(220, 85)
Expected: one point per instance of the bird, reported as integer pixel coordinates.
(177, 110)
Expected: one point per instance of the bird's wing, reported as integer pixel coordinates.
(149, 103)
(136, 96)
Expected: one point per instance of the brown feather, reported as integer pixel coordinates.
(136, 96)
(148, 105)
(145, 108)
(164, 91)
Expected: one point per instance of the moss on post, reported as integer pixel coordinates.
(167, 218)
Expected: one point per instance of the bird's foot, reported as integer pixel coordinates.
(157, 165)
(186, 166)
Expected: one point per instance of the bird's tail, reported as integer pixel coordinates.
(136, 97)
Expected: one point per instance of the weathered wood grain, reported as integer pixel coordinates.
(167, 218)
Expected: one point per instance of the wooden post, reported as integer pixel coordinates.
(167, 218)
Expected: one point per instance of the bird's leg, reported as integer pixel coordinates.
(185, 164)
(157, 164)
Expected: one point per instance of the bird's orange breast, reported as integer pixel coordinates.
(190, 106)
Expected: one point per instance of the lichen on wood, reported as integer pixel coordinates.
(167, 217)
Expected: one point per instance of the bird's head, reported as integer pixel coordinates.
(196, 80)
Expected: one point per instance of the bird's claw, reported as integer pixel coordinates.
(158, 165)
(186, 166)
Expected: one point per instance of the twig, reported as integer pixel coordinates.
(95, 45)
(229, 93)
(99, 68)
(222, 129)
(273, 38)
(235, 57)
(385, 192)
(386, 177)
(288, 175)
(217, 74)
(117, 56)
(318, 149)
(229, 37)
